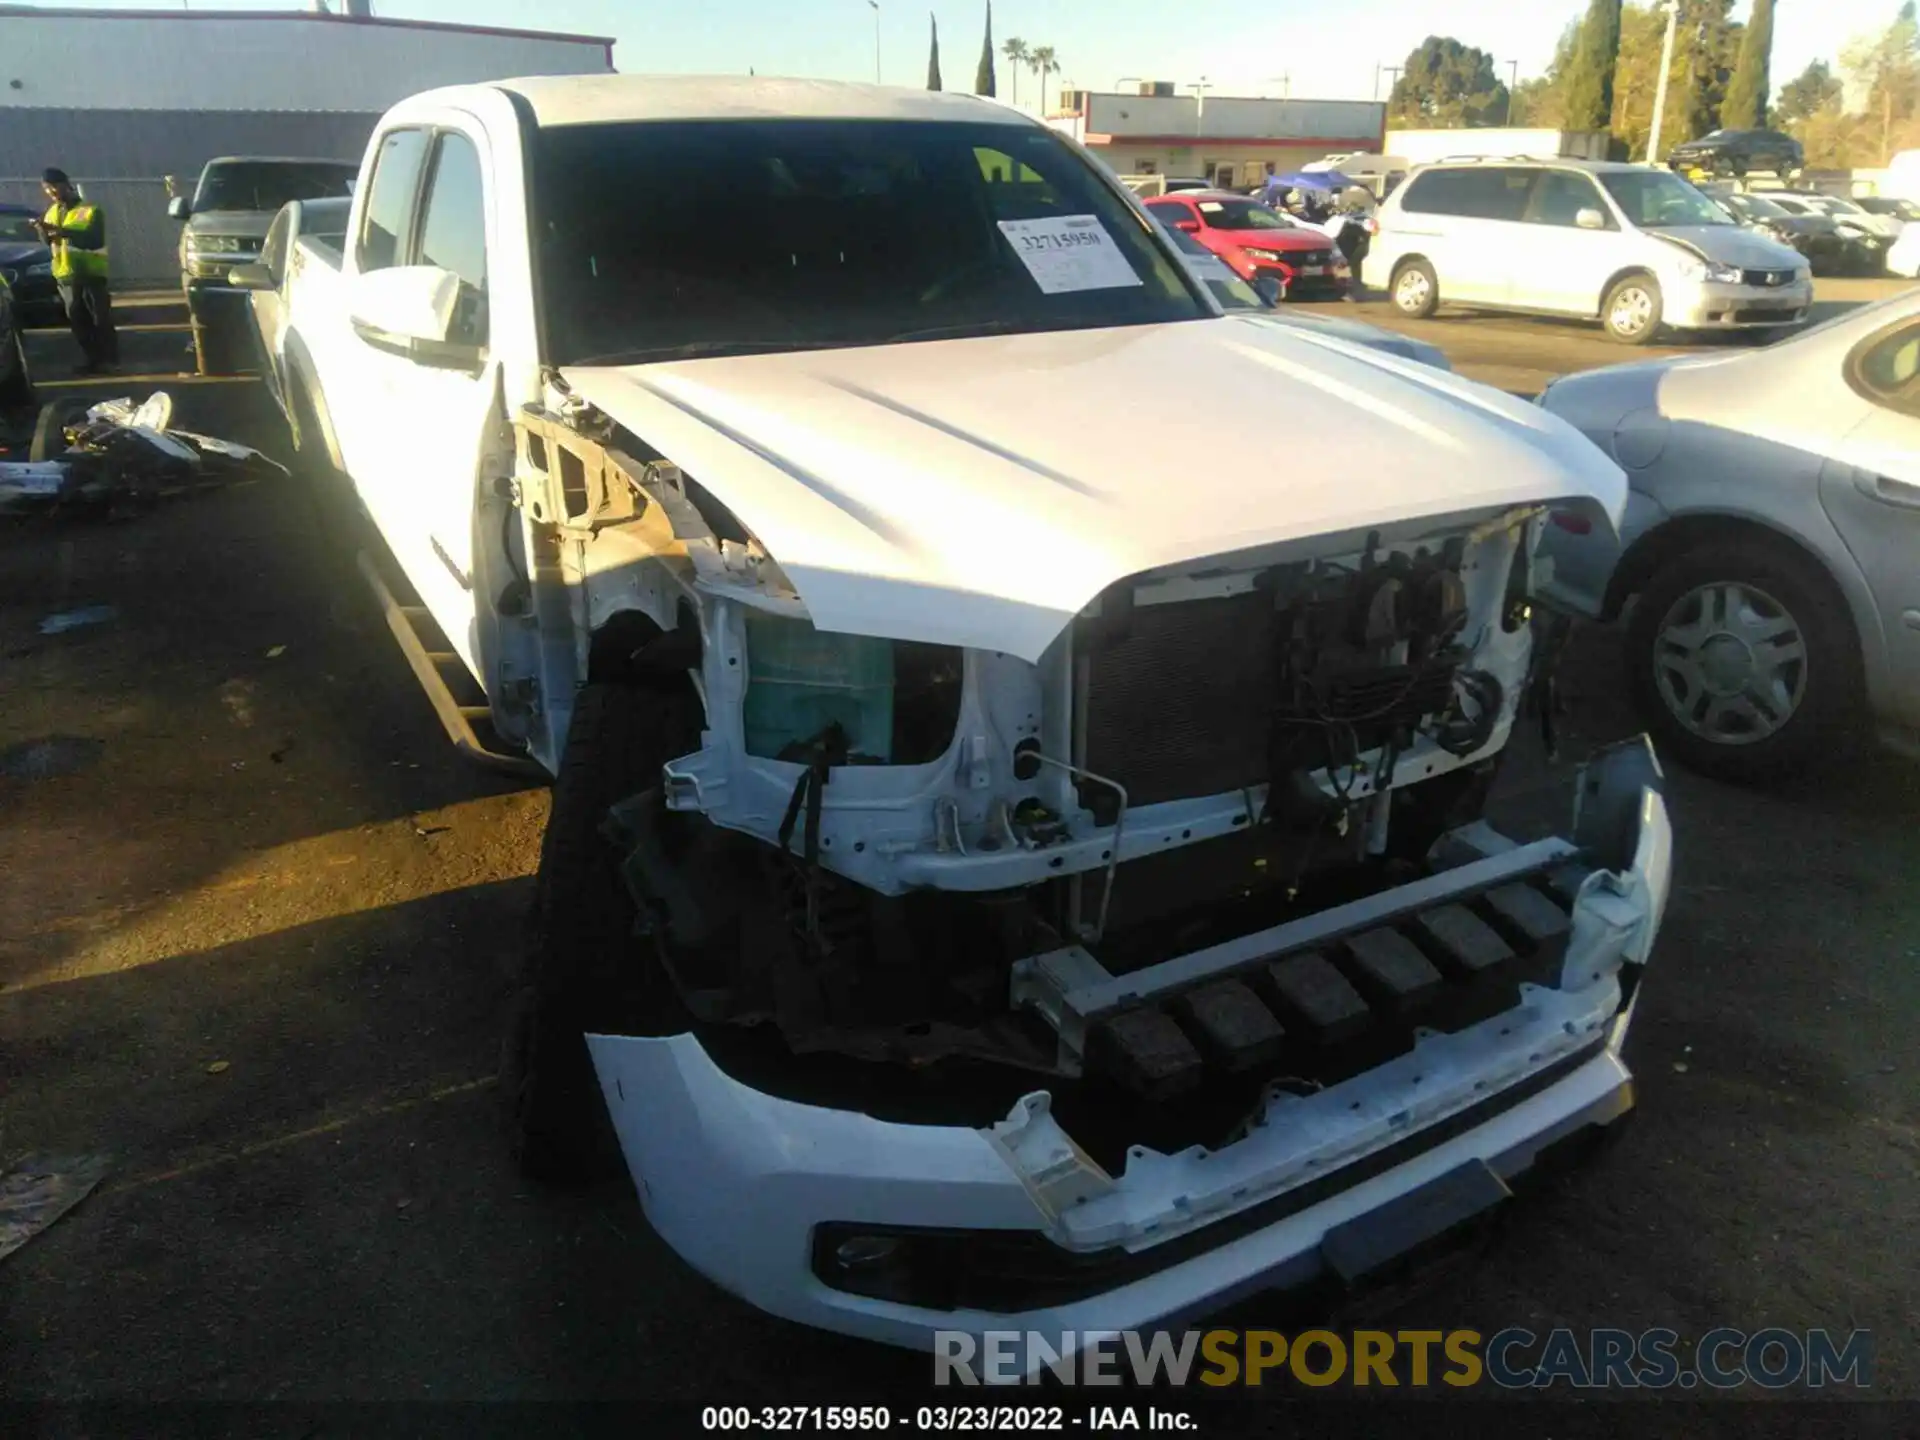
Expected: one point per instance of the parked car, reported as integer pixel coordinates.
(1863, 235)
(1815, 236)
(1258, 242)
(1637, 247)
(226, 219)
(1739, 152)
(1770, 541)
(905, 682)
(1903, 256)
(1891, 206)
(26, 266)
(1238, 297)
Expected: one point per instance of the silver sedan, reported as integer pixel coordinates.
(1771, 546)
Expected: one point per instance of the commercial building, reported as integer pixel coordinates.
(127, 100)
(1228, 140)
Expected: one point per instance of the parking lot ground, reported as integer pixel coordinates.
(251, 941)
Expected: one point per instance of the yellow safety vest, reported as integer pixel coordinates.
(70, 257)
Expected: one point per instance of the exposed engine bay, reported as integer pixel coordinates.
(879, 844)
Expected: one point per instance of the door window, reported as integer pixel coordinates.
(386, 229)
(453, 233)
(1559, 196)
(1491, 192)
(1886, 369)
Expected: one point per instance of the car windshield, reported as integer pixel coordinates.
(1796, 207)
(1757, 206)
(1229, 289)
(1887, 205)
(263, 185)
(1655, 198)
(18, 230)
(1242, 215)
(672, 239)
(1833, 205)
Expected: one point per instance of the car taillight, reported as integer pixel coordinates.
(1573, 522)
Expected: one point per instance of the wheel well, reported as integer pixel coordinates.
(1662, 543)
(631, 648)
(1405, 260)
(302, 389)
(1614, 279)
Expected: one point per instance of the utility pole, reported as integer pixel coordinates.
(1286, 84)
(1392, 72)
(876, 40)
(1660, 89)
(1200, 88)
(1513, 84)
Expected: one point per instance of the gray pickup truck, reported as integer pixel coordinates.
(226, 220)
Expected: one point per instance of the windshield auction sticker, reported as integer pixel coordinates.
(1064, 253)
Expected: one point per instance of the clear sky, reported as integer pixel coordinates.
(1329, 48)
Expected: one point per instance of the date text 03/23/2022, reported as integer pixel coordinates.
(941, 1419)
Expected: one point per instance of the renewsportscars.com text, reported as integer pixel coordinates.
(1514, 1358)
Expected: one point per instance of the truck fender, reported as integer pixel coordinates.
(303, 379)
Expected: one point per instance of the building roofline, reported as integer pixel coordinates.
(62, 12)
(1193, 142)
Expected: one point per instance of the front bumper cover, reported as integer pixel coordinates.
(738, 1181)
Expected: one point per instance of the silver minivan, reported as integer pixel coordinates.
(1637, 247)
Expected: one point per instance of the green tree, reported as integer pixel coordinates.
(1017, 57)
(1539, 100)
(1446, 86)
(983, 72)
(1885, 71)
(1709, 41)
(933, 54)
(1745, 107)
(1043, 63)
(1813, 90)
(1587, 95)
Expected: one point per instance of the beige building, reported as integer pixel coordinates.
(1228, 140)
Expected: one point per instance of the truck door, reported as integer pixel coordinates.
(435, 417)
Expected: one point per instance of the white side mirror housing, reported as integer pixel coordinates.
(1590, 219)
(404, 303)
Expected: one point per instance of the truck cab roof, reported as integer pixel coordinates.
(599, 99)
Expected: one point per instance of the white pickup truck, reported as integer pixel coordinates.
(1014, 857)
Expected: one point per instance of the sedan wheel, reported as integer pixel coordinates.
(1743, 660)
(1730, 662)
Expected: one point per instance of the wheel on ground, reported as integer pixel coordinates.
(582, 966)
(1416, 292)
(50, 430)
(1743, 661)
(1631, 311)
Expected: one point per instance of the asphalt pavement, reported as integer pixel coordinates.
(254, 916)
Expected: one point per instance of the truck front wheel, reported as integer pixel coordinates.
(582, 966)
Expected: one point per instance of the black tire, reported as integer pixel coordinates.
(49, 431)
(1628, 322)
(16, 389)
(1414, 289)
(1830, 684)
(582, 967)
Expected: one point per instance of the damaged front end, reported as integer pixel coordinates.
(1017, 943)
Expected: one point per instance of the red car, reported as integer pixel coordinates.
(1257, 241)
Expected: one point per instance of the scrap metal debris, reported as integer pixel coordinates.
(39, 1190)
(86, 615)
(118, 453)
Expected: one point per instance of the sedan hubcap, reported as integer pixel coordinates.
(1730, 662)
(1632, 310)
(1413, 290)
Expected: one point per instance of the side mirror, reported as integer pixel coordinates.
(1190, 226)
(1591, 219)
(251, 277)
(1268, 289)
(409, 310)
(179, 208)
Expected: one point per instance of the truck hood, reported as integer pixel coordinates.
(982, 492)
(251, 224)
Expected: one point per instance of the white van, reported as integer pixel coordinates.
(1902, 178)
(1636, 246)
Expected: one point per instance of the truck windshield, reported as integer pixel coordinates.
(658, 240)
(264, 185)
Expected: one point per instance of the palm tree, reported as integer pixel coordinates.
(1016, 52)
(1043, 64)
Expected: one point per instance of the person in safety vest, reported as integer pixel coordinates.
(76, 232)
